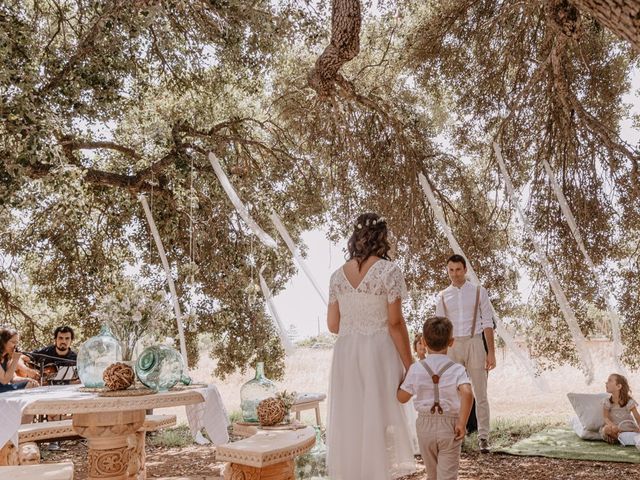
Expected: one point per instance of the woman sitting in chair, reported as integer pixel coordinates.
(11, 362)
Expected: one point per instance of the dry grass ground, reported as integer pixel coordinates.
(515, 398)
(513, 393)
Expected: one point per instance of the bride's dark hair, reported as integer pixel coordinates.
(369, 238)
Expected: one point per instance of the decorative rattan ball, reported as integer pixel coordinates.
(118, 376)
(271, 411)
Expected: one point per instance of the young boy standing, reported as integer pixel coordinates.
(443, 399)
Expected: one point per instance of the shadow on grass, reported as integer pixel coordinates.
(505, 432)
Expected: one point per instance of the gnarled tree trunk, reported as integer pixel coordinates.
(346, 18)
(622, 17)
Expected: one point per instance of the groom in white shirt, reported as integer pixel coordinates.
(467, 306)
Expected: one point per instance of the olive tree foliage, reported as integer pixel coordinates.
(371, 125)
(545, 80)
(104, 101)
(317, 111)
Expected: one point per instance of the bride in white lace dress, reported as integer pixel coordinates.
(367, 431)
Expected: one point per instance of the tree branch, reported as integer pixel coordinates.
(346, 19)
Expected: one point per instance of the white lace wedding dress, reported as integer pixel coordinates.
(367, 433)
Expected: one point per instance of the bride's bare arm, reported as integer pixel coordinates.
(333, 317)
(399, 333)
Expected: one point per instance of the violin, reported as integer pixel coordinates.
(41, 372)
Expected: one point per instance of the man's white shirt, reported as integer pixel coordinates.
(460, 303)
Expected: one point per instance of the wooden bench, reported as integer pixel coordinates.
(309, 401)
(48, 471)
(267, 455)
(28, 452)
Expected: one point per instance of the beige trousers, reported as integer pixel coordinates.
(469, 352)
(439, 449)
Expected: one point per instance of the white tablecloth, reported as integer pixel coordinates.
(210, 414)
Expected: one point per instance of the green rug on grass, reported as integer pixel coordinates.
(564, 443)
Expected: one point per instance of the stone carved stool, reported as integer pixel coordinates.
(29, 453)
(267, 455)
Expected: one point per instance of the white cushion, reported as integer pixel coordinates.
(588, 408)
(629, 439)
(582, 432)
(310, 397)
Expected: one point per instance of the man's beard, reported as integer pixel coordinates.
(63, 349)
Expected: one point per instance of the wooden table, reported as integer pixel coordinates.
(110, 425)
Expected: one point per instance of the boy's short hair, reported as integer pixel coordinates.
(437, 331)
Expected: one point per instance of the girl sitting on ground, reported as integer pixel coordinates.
(620, 410)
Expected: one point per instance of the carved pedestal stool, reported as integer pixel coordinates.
(267, 455)
(116, 448)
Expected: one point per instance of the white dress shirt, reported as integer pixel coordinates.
(460, 303)
(419, 384)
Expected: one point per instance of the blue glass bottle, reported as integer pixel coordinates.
(95, 355)
(160, 367)
(253, 392)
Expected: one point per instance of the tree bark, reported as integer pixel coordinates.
(622, 17)
(346, 18)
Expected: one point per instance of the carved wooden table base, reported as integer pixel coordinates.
(279, 471)
(116, 448)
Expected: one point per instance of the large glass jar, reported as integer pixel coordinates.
(313, 464)
(253, 392)
(95, 355)
(160, 367)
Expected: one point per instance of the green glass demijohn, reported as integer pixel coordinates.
(313, 464)
(253, 392)
(95, 355)
(160, 367)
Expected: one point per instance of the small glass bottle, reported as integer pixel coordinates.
(95, 355)
(253, 392)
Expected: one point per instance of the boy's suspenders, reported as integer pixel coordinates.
(435, 378)
(475, 309)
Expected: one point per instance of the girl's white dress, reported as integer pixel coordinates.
(367, 432)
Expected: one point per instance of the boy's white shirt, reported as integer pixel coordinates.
(418, 383)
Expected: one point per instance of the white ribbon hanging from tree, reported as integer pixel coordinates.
(509, 341)
(167, 271)
(282, 333)
(296, 254)
(567, 311)
(571, 221)
(237, 203)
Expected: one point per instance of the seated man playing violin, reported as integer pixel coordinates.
(59, 354)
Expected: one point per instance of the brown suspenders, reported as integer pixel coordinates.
(435, 378)
(475, 309)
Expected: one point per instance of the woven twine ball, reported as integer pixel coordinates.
(118, 376)
(271, 411)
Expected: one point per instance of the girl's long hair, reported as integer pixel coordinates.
(369, 238)
(625, 391)
(6, 334)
